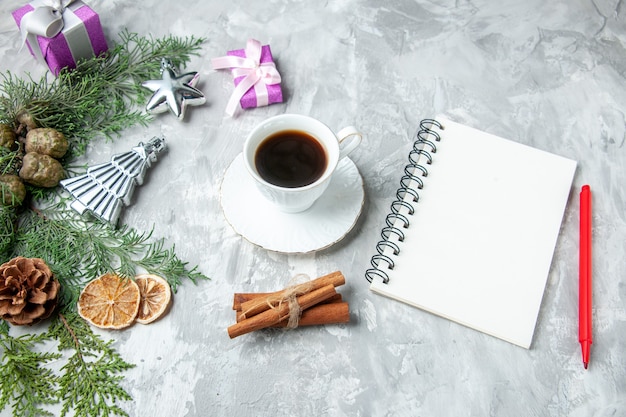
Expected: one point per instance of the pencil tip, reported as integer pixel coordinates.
(586, 364)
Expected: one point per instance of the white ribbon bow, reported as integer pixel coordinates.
(46, 20)
(258, 75)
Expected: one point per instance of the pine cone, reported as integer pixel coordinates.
(41, 170)
(28, 290)
(46, 141)
(7, 136)
(12, 190)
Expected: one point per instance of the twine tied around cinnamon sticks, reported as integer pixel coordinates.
(310, 303)
(288, 296)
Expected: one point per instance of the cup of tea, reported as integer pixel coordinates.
(292, 158)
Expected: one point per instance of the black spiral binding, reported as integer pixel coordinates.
(406, 196)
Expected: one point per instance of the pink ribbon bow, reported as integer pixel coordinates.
(256, 74)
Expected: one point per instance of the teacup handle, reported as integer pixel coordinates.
(345, 133)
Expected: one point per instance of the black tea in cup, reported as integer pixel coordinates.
(290, 159)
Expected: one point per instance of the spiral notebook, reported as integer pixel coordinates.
(472, 231)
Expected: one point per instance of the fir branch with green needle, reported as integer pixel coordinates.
(100, 96)
(97, 100)
(75, 247)
(25, 383)
(8, 219)
(9, 161)
(90, 382)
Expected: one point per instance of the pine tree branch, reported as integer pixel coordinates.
(79, 250)
(97, 100)
(100, 97)
(25, 383)
(71, 332)
(90, 381)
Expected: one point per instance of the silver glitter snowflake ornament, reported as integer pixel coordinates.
(107, 187)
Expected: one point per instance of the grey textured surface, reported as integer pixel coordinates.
(547, 74)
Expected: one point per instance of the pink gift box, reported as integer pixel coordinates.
(81, 38)
(274, 91)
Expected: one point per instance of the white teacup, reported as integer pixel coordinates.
(293, 157)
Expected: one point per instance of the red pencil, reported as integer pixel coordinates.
(585, 336)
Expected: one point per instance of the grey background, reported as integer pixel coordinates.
(546, 74)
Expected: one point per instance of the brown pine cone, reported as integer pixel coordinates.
(7, 136)
(28, 290)
(41, 170)
(46, 141)
(12, 190)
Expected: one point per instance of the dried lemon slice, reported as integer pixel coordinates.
(109, 302)
(155, 297)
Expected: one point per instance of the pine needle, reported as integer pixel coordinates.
(97, 100)
(79, 249)
(25, 383)
(90, 380)
(100, 97)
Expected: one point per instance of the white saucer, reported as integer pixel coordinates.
(330, 218)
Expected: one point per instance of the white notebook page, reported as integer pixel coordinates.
(480, 243)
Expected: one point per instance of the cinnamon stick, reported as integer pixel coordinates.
(273, 316)
(258, 305)
(242, 297)
(322, 313)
